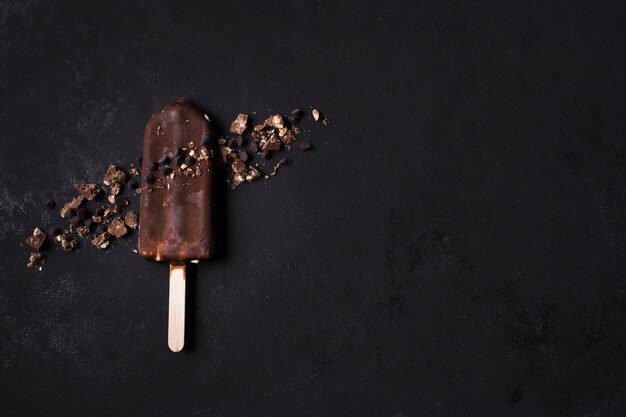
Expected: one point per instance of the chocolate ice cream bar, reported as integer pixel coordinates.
(177, 203)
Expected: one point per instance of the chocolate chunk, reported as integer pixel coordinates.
(37, 239)
(165, 170)
(149, 179)
(67, 243)
(101, 241)
(239, 125)
(153, 165)
(88, 191)
(254, 147)
(133, 184)
(116, 189)
(252, 174)
(36, 260)
(164, 160)
(50, 204)
(131, 219)
(267, 155)
(305, 146)
(54, 232)
(272, 144)
(275, 121)
(71, 205)
(288, 138)
(113, 175)
(243, 156)
(117, 228)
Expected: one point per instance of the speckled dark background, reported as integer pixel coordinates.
(454, 245)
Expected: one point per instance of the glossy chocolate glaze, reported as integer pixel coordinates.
(175, 223)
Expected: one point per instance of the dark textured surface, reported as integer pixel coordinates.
(454, 245)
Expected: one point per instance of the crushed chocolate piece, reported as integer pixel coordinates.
(275, 121)
(131, 219)
(50, 204)
(305, 146)
(239, 125)
(113, 175)
(37, 239)
(81, 231)
(272, 144)
(117, 228)
(253, 174)
(73, 204)
(88, 191)
(116, 189)
(101, 241)
(133, 171)
(36, 260)
(316, 114)
(111, 198)
(288, 138)
(67, 243)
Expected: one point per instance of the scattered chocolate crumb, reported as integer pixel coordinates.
(117, 228)
(50, 204)
(88, 191)
(116, 189)
(37, 239)
(272, 144)
(72, 204)
(239, 125)
(36, 260)
(101, 241)
(305, 146)
(113, 175)
(67, 243)
(81, 231)
(131, 219)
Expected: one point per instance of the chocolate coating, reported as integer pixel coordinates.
(176, 213)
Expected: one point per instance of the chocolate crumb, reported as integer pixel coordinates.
(88, 191)
(50, 204)
(73, 204)
(116, 189)
(37, 239)
(117, 228)
(36, 260)
(67, 243)
(111, 198)
(131, 219)
(101, 241)
(113, 175)
(239, 125)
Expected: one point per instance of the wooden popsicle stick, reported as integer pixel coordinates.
(176, 321)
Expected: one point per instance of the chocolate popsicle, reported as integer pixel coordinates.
(177, 202)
